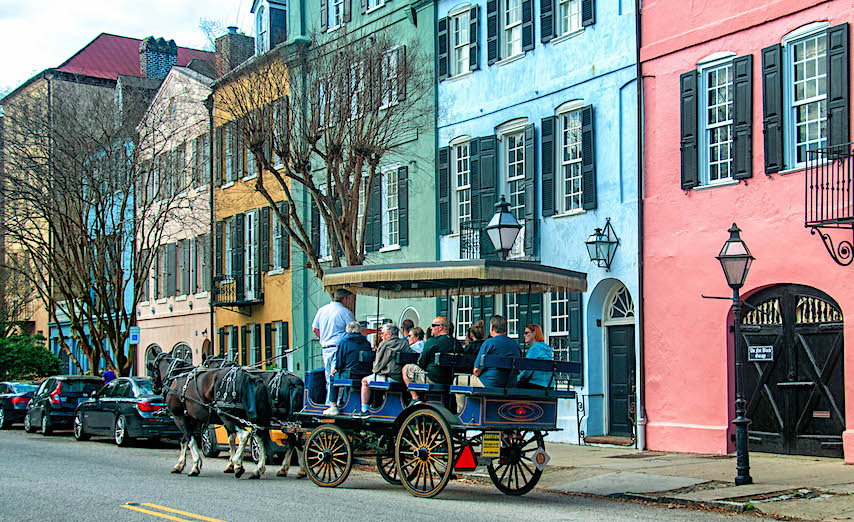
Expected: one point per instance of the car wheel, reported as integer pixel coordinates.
(79, 431)
(4, 421)
(254, 449)
(28, 424)
(46, 427)
(209, 446)
(121, 432)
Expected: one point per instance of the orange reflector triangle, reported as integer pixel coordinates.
(466, 461)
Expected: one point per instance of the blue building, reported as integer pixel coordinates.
(538, 103)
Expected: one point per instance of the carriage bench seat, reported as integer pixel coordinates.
(347, 383)
(518, 364)
(387, 386)
(515, 393)
(429, 388)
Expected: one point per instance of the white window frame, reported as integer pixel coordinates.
(262, 28)
(336, 14)
(230, 168)
(714, 64)
(390, 207)
(458, 145)
(251, 166)
(569, 109)
(278, 344)
(391, 82)
(250, 344)
(568, 15)
(789, 42)
(250, 253)
(516, 129)
(460, 25)
(228, 245)
(358, 89)
(373, 5)
(557, 324)
(324, 253)
(278, 235)
(511, 29)
(464, 314)
(511, 306)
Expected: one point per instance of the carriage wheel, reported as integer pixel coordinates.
(386, 464)
(328, 456)
(514, 473)
(424, 453)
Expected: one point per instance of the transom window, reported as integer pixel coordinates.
(570, 161)
(462, 176)
(461, 39)
(512, 18)
(718, 119)
(516, 173)
(808, 73)
(570, 16)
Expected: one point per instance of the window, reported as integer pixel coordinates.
(261, 31)
(559, 328)
(279, 239)
(460, 41)
(570, 16)
(512, 23)
(146, 284)
(162, 271)
(512, 306)
(230, 167)
(281, 341)
(358, 100)
(390, 75)
(375, 4)
(391, 225)
(182, 259)
(228, 226)
(251, 165)
(462, 180)
(201, 279)
(569, 182)
(251, 343)
(805, 79)
(250, 255)
(716, 120)
(515, 173)
(464, 315)
(336, 13)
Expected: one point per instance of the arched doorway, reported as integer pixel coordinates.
(207, 349)
(151, 353)
(619, 324)
(411, 314)
(793, 378)
(182, 351)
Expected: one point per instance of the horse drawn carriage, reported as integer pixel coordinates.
(422, 444)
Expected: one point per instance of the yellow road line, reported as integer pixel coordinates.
(134, 506)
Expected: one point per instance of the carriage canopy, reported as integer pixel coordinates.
(442, 278)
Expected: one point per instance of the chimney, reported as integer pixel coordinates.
(156, 57)
(232, 49)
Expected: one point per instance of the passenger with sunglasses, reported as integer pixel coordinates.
(538, 349)
(426, 370)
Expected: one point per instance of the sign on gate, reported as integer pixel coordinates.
(760, 353)
(134, 335)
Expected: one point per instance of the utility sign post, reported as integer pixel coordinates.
(133, 337)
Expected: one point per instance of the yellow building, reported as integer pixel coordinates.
(252, 269)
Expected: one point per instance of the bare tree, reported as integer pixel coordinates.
(320, 120)
(86, 184)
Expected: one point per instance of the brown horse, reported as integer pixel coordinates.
(197, 397)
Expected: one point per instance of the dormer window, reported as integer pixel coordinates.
(261, 31)
(271, 24)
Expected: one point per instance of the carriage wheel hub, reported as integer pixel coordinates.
(422, 454)
(327, 456)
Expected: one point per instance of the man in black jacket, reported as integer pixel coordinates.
(427, 371)
(347, 363)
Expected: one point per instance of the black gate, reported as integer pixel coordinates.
(795, 392)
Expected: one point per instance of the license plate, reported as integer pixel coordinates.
(491, 444)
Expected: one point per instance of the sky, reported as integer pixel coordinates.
(37, 35)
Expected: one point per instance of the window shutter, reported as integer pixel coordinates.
(264, 243)
(348, 13)
(257, 341)
(402, 76)
(531, 229)
(487, 309)
(474, 181)
(491, 31)
(171, 268)
(742, 143)
(838, 82)
(487, 189)
(547, 146)
(237, 257)
(444, 179)
(220, 337)
(315, 228)
(588, 159)
(588, 12)
(324, 15)
(442, 42)
(278, 26)
(185, 268)
(218, 250)
(403, 205)
(688, 117)
(474, 48)
(533, 309)
(286, 338)
(235, 342)
(206, 246)
(443, 307)
(527, 25)
(244, 346)
(547, 20)
(772, 107)
(576, 352)
(377, 213)
(284, 252)
(268, 342)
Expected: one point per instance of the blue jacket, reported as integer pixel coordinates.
(541, 351)
(347, 356)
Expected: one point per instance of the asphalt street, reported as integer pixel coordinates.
(57, 478)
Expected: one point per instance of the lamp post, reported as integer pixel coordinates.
(735, 259)
(503, 228)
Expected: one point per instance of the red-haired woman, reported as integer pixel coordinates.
(538, 349)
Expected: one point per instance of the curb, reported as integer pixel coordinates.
(726, 505)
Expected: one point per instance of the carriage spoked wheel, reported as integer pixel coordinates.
(514, 473)
(424, 453)
(328, 456)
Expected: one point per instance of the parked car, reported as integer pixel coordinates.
(14, 397)
(124, 409)
(214, 440)
(54, 403)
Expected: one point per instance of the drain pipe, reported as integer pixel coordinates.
(641, 409)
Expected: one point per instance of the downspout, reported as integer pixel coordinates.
(641, 410)
(209, 105)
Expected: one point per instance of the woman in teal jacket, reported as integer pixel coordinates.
(538, 350)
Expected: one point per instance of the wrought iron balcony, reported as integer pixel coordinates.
(238, 290)
(471, 236)
(829, 197)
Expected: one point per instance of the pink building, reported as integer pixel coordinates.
(735, 94)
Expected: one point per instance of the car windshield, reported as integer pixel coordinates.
(24, 388)
(143, 388)
(81, 386)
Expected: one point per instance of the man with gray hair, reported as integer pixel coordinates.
(348, 358)
(386, 367)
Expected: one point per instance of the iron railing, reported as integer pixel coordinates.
(232, 291)
(471, 234)
(829, 197)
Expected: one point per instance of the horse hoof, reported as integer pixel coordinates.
(193, 474)
(228, 470)
(238, 472)
(301, 475)
(254, 476)
(176, 470)
(281, 473)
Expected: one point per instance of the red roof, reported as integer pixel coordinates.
(108, 56)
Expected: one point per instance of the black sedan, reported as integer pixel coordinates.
(125, 409)
(14, 397)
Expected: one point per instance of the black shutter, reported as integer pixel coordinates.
(218, 156)
(576, 352)
(492, 55)
(474, 48)
(547, 145)
(742, 105)
(240, 149)
(588, 12)
(443, 307)
(185, 268)
(487, 309)
(244, 346)
(278, 26)
(443, 53)
(220, 337)
(838, 82)
(588, 160)
(235, 342)
(527, 25)
(268, 342)
(474, 181)
(530, 310)
(264, 243)
(402, 76)
(257, 342)
(171, 268)
(315, 228)
(443, 175)
(403, 205)
(689, 129)
(324, 15)
(487, 188)
(547, 20)
(377, 213)
(284, 252)
(286, 338)
(531, 229)
(347, 11)
(218, 254)
(772, 107)
(237, 257)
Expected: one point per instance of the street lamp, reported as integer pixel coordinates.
(735, 260)
(503, 228)
(602, 245)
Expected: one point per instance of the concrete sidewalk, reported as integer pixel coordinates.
(809, 488)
